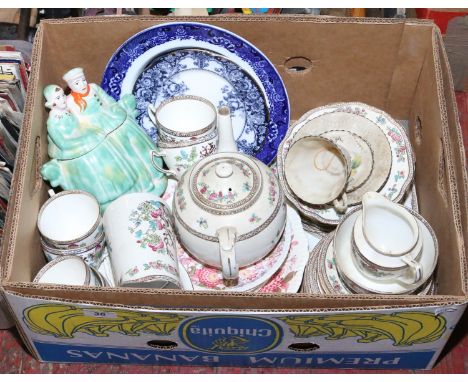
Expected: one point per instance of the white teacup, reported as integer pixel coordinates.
(141, 242)
(70, 220)
(317, 171)
(182, 118)
(67, 270)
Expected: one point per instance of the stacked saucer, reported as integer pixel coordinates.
(335, 264)
(366, 142)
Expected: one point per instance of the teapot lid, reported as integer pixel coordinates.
(226, 184)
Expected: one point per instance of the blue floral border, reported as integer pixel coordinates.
(130, 50)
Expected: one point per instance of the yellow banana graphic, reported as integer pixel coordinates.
(403, 328)
(64, 321)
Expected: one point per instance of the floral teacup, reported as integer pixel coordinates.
(179, 156)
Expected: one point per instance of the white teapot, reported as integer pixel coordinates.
(229, 209)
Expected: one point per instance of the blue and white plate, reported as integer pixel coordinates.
(211, 76)
(137, 54)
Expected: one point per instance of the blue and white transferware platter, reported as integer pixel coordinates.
(205, 74)
(135, 54)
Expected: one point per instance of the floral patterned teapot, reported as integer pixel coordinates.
(229, 209)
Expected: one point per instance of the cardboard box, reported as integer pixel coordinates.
(399, 66)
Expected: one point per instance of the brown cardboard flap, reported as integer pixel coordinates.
(389, 64)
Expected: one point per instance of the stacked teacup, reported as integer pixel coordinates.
(187, 131)
(70, 225)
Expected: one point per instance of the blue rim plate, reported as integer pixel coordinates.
(133, 56)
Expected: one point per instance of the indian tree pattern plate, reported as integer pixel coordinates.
(135, 54)
(205, 74)
(204, 277)
(402, 166)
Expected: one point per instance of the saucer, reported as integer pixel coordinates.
(289, 278)
(361, 155)
(310, 283)
(387, 137)
(204, 277)
(350, 274)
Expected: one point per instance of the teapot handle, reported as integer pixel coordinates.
(227, 253)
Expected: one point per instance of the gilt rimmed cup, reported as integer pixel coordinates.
(69, 220)
(92, 255)
(67, 270)
(183, 117)
(317, 171)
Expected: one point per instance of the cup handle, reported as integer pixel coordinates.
(416, 270)
(158, 153)
(341, 205)
(227, 253)
(152, 114)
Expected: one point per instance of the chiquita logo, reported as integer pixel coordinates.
(231, 334)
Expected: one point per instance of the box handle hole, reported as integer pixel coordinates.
(304, 346)
(298, 65)
(162, 344)
(418, 130)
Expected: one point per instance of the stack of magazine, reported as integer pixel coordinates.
(14, 71)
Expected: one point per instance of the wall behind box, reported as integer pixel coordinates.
(348, 58)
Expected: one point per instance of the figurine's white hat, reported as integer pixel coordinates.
(72, 74)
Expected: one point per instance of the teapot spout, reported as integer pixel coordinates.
(227, 143)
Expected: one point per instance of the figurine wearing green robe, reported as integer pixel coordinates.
(96, 144)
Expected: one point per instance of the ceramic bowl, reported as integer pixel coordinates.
(317, 170)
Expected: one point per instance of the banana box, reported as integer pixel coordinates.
(396, 65)
(382, 338)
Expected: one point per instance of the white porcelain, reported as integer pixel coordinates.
(183, 118)
(383, 134)
(360, 154)
(229, 210)
(351, 274)
(141, 242)
(69, 220)
(67, 270)
(92, 255)
(317, 171)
